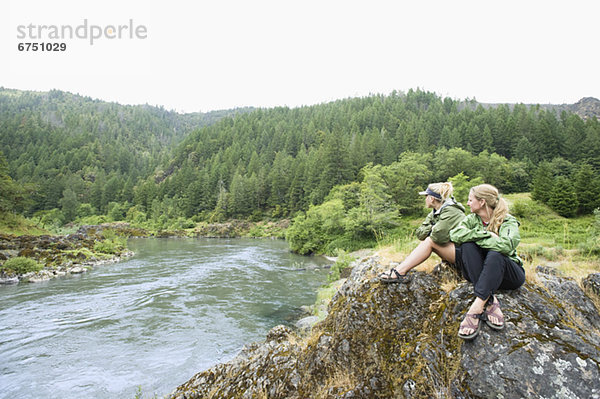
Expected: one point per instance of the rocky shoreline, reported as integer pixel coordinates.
(230, 229)
(400, 341)
(68, 269)
(60, 255)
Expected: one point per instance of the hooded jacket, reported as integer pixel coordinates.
(438, 224)
(472, 229)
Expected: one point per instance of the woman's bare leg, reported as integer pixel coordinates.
(423, 251)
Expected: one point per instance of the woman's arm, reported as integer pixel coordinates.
(424, 229)
(506, 241)
(470, 229)
(449, 219)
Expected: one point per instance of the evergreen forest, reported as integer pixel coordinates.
(66, 158)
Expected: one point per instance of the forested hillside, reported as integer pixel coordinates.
(283, 160)
(79, 157)
(65, 150)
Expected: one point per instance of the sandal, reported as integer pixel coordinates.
(494, 311)
(470, 323)
(386, 277)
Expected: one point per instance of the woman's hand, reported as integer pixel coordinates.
(493, 234)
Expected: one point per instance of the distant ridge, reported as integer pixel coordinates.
(586, 108)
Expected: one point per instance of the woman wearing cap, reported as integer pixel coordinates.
(486, 243)
(433, 232)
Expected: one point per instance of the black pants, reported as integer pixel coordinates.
(488, 270)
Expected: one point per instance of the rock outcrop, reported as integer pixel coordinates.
(400, 341)
(587, 107)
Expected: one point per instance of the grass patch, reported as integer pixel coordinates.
(324, 296)
(542, 226)
(83, 252)
(569, 244)
(344, 260)
(19, 225)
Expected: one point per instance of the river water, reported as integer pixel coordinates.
(149, 322)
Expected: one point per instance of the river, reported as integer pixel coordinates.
(149, 322)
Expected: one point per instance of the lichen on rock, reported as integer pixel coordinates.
(400, 341)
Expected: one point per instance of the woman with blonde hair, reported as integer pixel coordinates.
(434, 232)
(486, 243)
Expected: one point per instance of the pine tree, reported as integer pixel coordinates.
(69, 205)
(575, 137)
(524, 150)
(587, 187)
(193, 195)
(239, 196)
(112, 191)
(296, 193)
(543, 183)
(280, 178)
(9, 190)
(563, 198)
(335, 164)
(221, 211)
(592, 143)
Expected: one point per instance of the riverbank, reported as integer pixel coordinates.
(60, 255)
(234, 228)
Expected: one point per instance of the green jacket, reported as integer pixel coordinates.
(472, 229)
(438, 224)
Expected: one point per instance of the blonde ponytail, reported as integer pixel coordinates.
(445, 190)
(499, 207)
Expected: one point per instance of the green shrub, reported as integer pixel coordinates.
(528, 209)
(136, 215)
(50, 219)
(116, 211)
(344, 260)
(106, 247)
(349, 244)
(85, 210)
(257, 231)
(112, 243)
(182, 223)
(322, 224)
(21, 265)
(462, 185)
(256, 216)
(93, 220)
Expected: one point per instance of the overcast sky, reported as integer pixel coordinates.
(207, 55)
